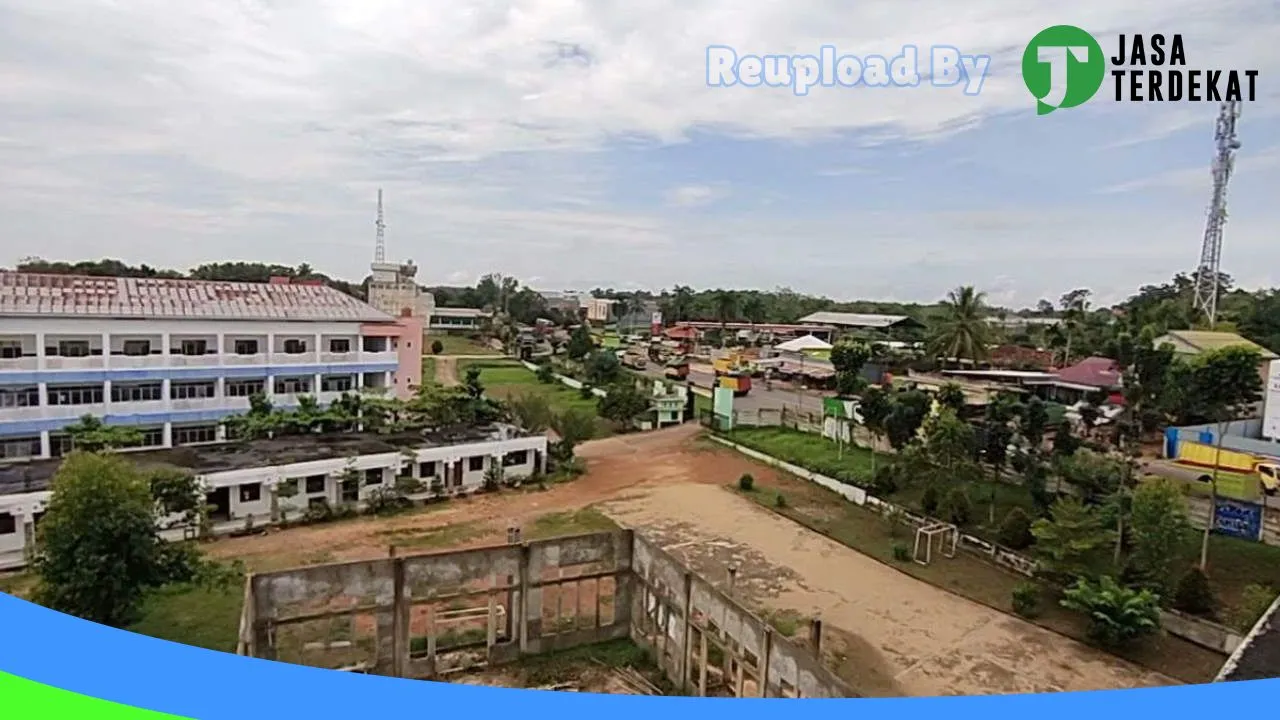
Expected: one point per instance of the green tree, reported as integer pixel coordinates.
(848, 358)
(1159, 529)
(580, 343)
(1094, 475)
(1072, 541)
(951, 395)
(907, 411)
(437, 347)
(961, 331)
(623, 403)
(949, 442)
(1032, 422)
(1222, 385)
(602, 368)
(573, 426)
(99, 552)
(874, 409)
(92, 435)
(726, 304)
(532, 412)
(1117, 614)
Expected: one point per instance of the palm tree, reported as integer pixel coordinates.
(753, 308)
(962, 332)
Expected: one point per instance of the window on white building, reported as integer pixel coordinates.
(10, 349)
(15, 397)
(292, 386)
(14, 448)
(8, 524)
(339, 345)
(250, 492)
(193, 347)
(75, 395)
(475, 463)
(294, 346)
(194, 434)
(519, 457)
(246, 347)
(316, 484)
(373, 476)
(427, 469)
(245, 388)
(140, 392)
(193, 390)
(137, 347)
(71, 348)
(336, 383)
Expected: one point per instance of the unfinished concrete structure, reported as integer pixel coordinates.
(425, 616)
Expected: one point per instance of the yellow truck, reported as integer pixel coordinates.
(1204, 457)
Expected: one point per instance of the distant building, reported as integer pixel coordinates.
(843, 322)
(1189, 343)
(174, 357)
(599, 310)
(393, 290)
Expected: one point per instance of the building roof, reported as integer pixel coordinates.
(35, 476)
(860, 320)
(1199, 341)
(458, 312)
(802, 343)
(82, 296)
(1098, 372)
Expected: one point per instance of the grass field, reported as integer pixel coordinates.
(458, 345)
(428, 369)
(508, 378)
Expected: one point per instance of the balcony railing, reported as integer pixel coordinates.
(389, 356)
(91, 362)
(306, 358)
(98, 362)
(51, 412)
(255, 359)
(23, 363)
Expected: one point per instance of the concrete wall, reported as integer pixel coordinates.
(1241, 435)
(427, 616)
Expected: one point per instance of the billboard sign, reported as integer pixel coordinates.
(1271, 403)
(1237, 519)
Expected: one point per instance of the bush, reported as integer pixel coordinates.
(437, 347)
(746, 483)
(901, 552)
(585, 392)
(1015, 531)
(1193, 594)
(1026, 599)
(929, 500)
(545, 374)
(1254, 601)
(780, 500)
(885, 481)
(956, 508)
(1117, 615)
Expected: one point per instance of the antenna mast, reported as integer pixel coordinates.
(1208, 273)
(380, 248)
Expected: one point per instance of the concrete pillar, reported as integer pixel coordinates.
(43, 390)
(165, 386)
(766, 647)
(106, 350)
(40, 353)
(686, 666)
(815, 636)
(168, 427)
(733, 578)
(46, 445)
(315, 384)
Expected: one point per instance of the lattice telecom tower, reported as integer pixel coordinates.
(1207, 274)
(380, 246)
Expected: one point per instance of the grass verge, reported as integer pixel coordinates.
(505, 379)
(458, 345)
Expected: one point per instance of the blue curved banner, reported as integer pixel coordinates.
(120, 674)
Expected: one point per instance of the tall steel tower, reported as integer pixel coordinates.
(1207, 274)
(380, 248)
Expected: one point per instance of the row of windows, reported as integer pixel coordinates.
(12, 349)
(16, 448)
(144, 392)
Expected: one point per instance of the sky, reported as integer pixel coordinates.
(576, 144)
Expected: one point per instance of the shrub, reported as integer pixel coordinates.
(1117, 615)
(545, 374)
(1026, 599)
(585, 392)
(746, 483)
(780, 500)
(885, 481)
(437, 347)
(956, 507)
(1254, 601)
(929, 500)
(1193, 594)
(318, 512)
(1015, 531)
(901, 552)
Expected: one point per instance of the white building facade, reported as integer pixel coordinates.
(173, 358)
(268, 494)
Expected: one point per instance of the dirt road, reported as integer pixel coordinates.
(447, 370)
(888, 633)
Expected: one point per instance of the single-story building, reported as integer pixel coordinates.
(843, 323)
(1189, 343)
(459, 320)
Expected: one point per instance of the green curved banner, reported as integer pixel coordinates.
(23, 699)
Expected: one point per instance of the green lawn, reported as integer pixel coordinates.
(428, 369)
(458, 345)
(508, 378)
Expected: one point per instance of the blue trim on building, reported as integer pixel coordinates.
(201, 373)
(24, 428)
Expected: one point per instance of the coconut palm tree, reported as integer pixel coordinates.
(962, 331)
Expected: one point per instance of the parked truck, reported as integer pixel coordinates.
(677, 369)
(1204, 457)
(740, 383)
(634, 360)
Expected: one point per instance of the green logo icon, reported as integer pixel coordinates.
(1063, 66)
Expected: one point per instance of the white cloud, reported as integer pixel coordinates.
(694, 195)
(176, 133)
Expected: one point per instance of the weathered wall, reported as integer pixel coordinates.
(423, 616)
